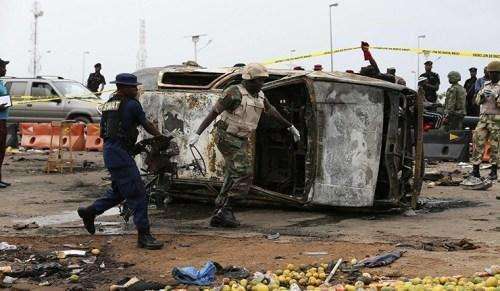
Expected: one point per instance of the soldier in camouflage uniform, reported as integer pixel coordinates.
(240, 108)
(454, 105)
(488, 127)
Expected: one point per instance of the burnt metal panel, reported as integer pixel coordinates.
(350, 122)
(181, 112)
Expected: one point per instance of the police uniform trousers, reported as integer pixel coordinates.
(126, 185)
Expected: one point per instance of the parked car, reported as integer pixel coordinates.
(46, 99)
(359, 136)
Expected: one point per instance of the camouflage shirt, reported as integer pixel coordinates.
(455, 100)
(231, 99)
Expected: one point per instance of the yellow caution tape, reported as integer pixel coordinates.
(451, 53)
(18, 100)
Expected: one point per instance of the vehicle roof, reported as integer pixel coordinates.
(340, 77)
(289, 75)
(45, 78)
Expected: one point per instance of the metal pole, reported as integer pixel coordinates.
(418, 57)
(418, 54)
(331, 35)
(290, 59)
(83, 66)
(35, 47)
(196, 51)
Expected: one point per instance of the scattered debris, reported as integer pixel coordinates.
(273, 236)
(7, 247)
(315, 253)
(381, 260)
(21, 226)
(474, 183)
(233, 272)
(463, 244)
(70, 253)
(192, 276)
(433, 176)
(135, 284)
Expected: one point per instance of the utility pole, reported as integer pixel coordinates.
(418, 53)
(290, 59)
(142, 52)
(37, 13)
(196, 38)
(331, 35)
(83, 65)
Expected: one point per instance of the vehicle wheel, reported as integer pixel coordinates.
(81, 119)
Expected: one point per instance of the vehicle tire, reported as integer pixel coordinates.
(81, 119)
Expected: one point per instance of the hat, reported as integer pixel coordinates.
(3, 62)
(473, 69)
(428, 63)
(254, 71)
(494, 66)
(318, 67)
(126, 79)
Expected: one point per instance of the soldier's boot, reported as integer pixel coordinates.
(88, 216)
(493, 174)
(224, 217)
(146, 241)
(475, 171)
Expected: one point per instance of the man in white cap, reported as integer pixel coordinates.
(240, 108)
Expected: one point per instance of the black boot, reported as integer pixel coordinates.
(224, 217)
(88, 216)
(146, 241)
(493, 174)
(475, 171)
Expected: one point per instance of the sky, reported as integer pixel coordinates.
(244, 31)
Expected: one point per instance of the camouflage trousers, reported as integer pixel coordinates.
(487, 129)
(238, 170)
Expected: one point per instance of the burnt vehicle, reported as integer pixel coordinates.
(360, 147)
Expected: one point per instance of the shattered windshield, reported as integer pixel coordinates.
(73, 89)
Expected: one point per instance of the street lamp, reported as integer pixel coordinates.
(418, 53)
(331, 35)
(415, 78)
(83, 65)
(290, 59)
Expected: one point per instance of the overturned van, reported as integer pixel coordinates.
(359, 145)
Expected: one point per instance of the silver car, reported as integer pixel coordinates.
(46, 99)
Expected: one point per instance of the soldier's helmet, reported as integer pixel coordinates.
(493, 66)
(454, 76)
(254, 71)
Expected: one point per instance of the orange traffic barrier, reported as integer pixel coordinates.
(42, 133)
(26, 134)
(94, 141)
(487, 152)
(77, 140)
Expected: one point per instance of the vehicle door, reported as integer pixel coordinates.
(17, 89)
(43, 109)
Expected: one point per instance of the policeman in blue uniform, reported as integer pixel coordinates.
(121, 116)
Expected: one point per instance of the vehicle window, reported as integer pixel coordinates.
(73, 89)
(39, 89)
(199, 79)
(237, 79)
(16, 88)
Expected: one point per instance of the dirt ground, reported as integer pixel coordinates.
(50, 200)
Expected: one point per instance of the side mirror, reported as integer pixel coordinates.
(58, 100)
